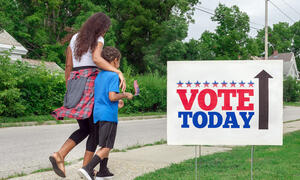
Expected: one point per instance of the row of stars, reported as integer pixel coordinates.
(215, 84)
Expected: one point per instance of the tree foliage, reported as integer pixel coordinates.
(43, 26)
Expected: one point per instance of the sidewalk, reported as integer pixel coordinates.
(133, 163)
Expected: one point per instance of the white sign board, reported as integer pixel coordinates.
(225, 102)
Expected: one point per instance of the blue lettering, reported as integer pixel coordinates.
(185, 118)
(196, 122)
(230, 119)
(245, 119)
(211, 120)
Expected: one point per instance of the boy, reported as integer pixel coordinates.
(105, 114)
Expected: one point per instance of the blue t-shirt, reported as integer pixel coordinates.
(104, 109)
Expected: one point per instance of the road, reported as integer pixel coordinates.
(26, 149)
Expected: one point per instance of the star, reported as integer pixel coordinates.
(215, 84)
(233, 84)
(224, 84)
(242, 84)
(197, 84)
(179, 84)
(206, 84)
(251, 84)
(188, 84)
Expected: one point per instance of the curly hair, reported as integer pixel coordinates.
(110, 53)
(92, 29)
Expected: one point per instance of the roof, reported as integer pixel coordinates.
(286, 57)
(52, 66)
(287, 63)
(6, 38)
(7, 42)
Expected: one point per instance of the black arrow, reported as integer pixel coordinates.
(263, 77)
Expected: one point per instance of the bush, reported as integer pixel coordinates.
(291, 90)
(26, 90)
(153, 94)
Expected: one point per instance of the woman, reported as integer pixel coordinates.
(83, 58)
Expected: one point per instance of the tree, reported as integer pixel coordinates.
(231, 33)
(192, 50)
(145, 27)
(231, 39)
(280, 38)
(43, 26)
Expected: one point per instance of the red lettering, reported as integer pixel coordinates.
(182, 94)
(243, 99)
(226, 93)
(213, 99)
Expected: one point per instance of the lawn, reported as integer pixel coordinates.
(270, 163)
(43, 118)
(291, 104)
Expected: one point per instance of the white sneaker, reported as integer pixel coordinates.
(84, 174)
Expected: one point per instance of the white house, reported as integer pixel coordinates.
(7, 42)
(289, 63)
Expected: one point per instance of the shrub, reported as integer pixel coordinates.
(291, 90)
(28, 90)
(153, 92)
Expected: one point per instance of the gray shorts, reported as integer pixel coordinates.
(107, 134)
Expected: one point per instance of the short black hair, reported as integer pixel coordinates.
(110, 53)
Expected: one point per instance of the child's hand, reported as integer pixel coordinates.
(128, 95)
(121, 103)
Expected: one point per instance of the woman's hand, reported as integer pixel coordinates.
(122, 81)
(103, 64)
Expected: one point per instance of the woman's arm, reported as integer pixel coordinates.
(103, 64)
(69, 64)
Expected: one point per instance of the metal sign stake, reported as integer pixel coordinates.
(252, 150)
(196, 163)
(199, 160)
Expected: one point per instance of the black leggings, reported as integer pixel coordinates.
(86, 127)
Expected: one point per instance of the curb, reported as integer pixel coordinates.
(72, 121)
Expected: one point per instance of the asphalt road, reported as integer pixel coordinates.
(26, 149)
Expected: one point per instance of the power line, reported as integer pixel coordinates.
(291, 7)
(214, 14)
(281, 11)
(213, 11)
(205, 11)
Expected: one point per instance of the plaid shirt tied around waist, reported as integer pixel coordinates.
(85, 106)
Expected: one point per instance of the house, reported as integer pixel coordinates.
(7, 42)
(289, 63)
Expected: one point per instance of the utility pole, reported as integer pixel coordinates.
(266, 30)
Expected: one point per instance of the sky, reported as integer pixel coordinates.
(255, 10)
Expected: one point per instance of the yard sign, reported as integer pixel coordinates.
(224, 102)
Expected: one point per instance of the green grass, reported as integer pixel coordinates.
(270, 163)
(142, 114)
(162, 141)
(14, 176)
(291, 104)
(37, 118)
(43, 118)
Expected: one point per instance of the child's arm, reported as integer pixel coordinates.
(113, 96)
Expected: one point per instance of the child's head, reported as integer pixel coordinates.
(112, 55)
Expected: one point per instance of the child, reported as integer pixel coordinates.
(105, 114)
